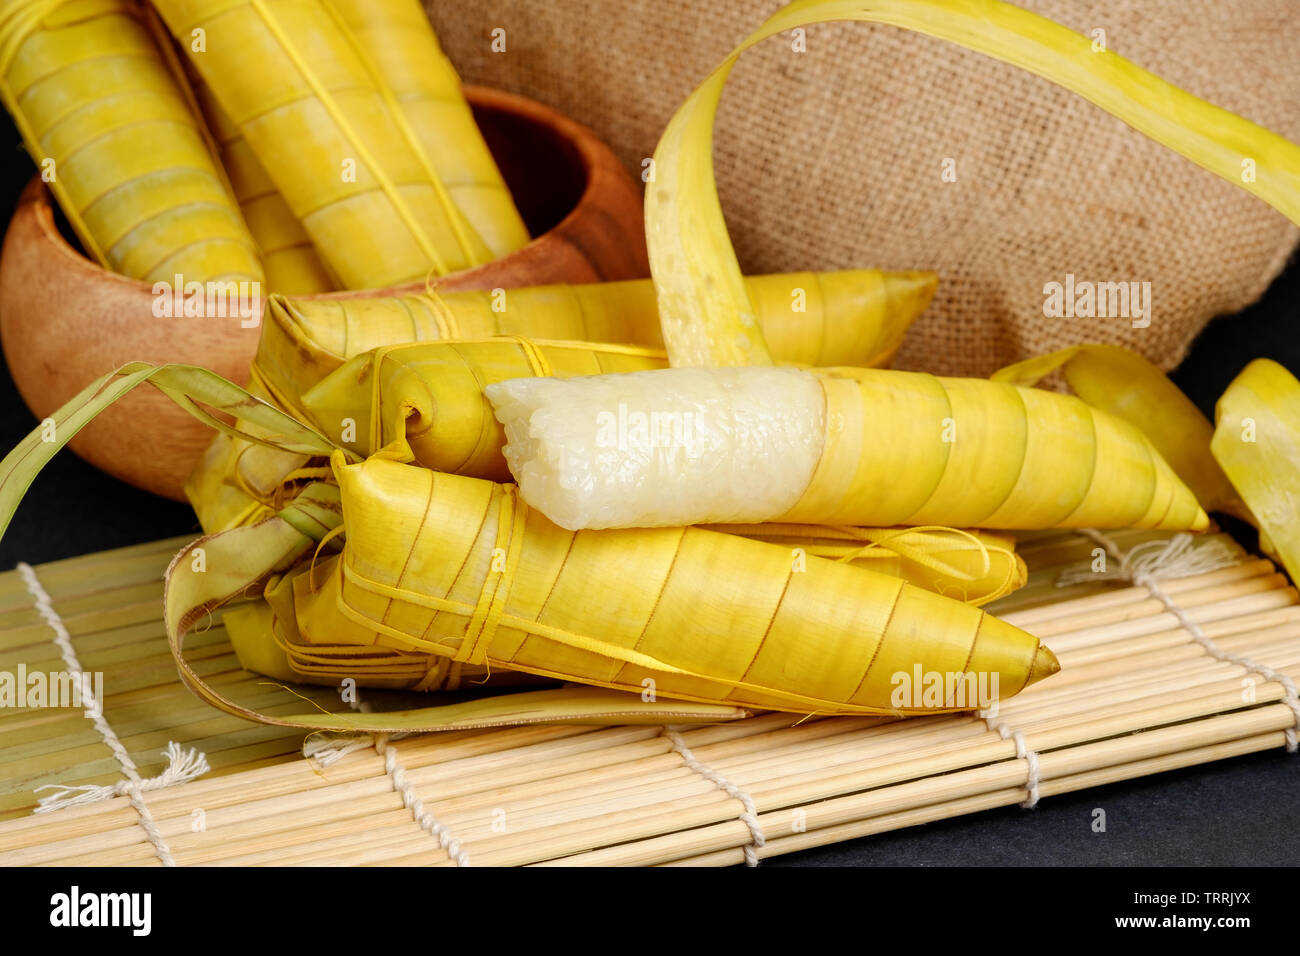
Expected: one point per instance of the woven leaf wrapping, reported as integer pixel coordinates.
(1125, 384)
(330, 136)
(405, 56)
(1257, 443)
(850, 317)
(886, 448)
(857, 317)
(291, 261)
(692, 614)
(118, 144)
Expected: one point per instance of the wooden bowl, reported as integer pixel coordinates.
(65, 321)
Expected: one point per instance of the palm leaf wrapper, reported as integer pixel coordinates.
(681, 499)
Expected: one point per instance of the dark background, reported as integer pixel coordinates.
(1240, 812)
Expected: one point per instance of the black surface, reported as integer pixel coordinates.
(1241, 812)
(935, 910)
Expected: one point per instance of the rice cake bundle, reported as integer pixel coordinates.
(869, 447)
(855, 316)
(847, 317)
(118, 143)
(461, 568)
(325, 129)
(403, 52)
(292, 264)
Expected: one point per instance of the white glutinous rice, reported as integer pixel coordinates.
(663, 448)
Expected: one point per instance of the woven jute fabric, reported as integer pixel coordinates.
(835, 157)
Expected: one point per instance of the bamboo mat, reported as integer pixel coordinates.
(1137, 695)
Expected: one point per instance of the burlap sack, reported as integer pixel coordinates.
(834, 157)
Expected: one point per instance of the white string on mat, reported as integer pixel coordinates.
(329, 750)
(749, 817)
(1030, 757)
(1181, 557)
(1178, 557)
(182, 765)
